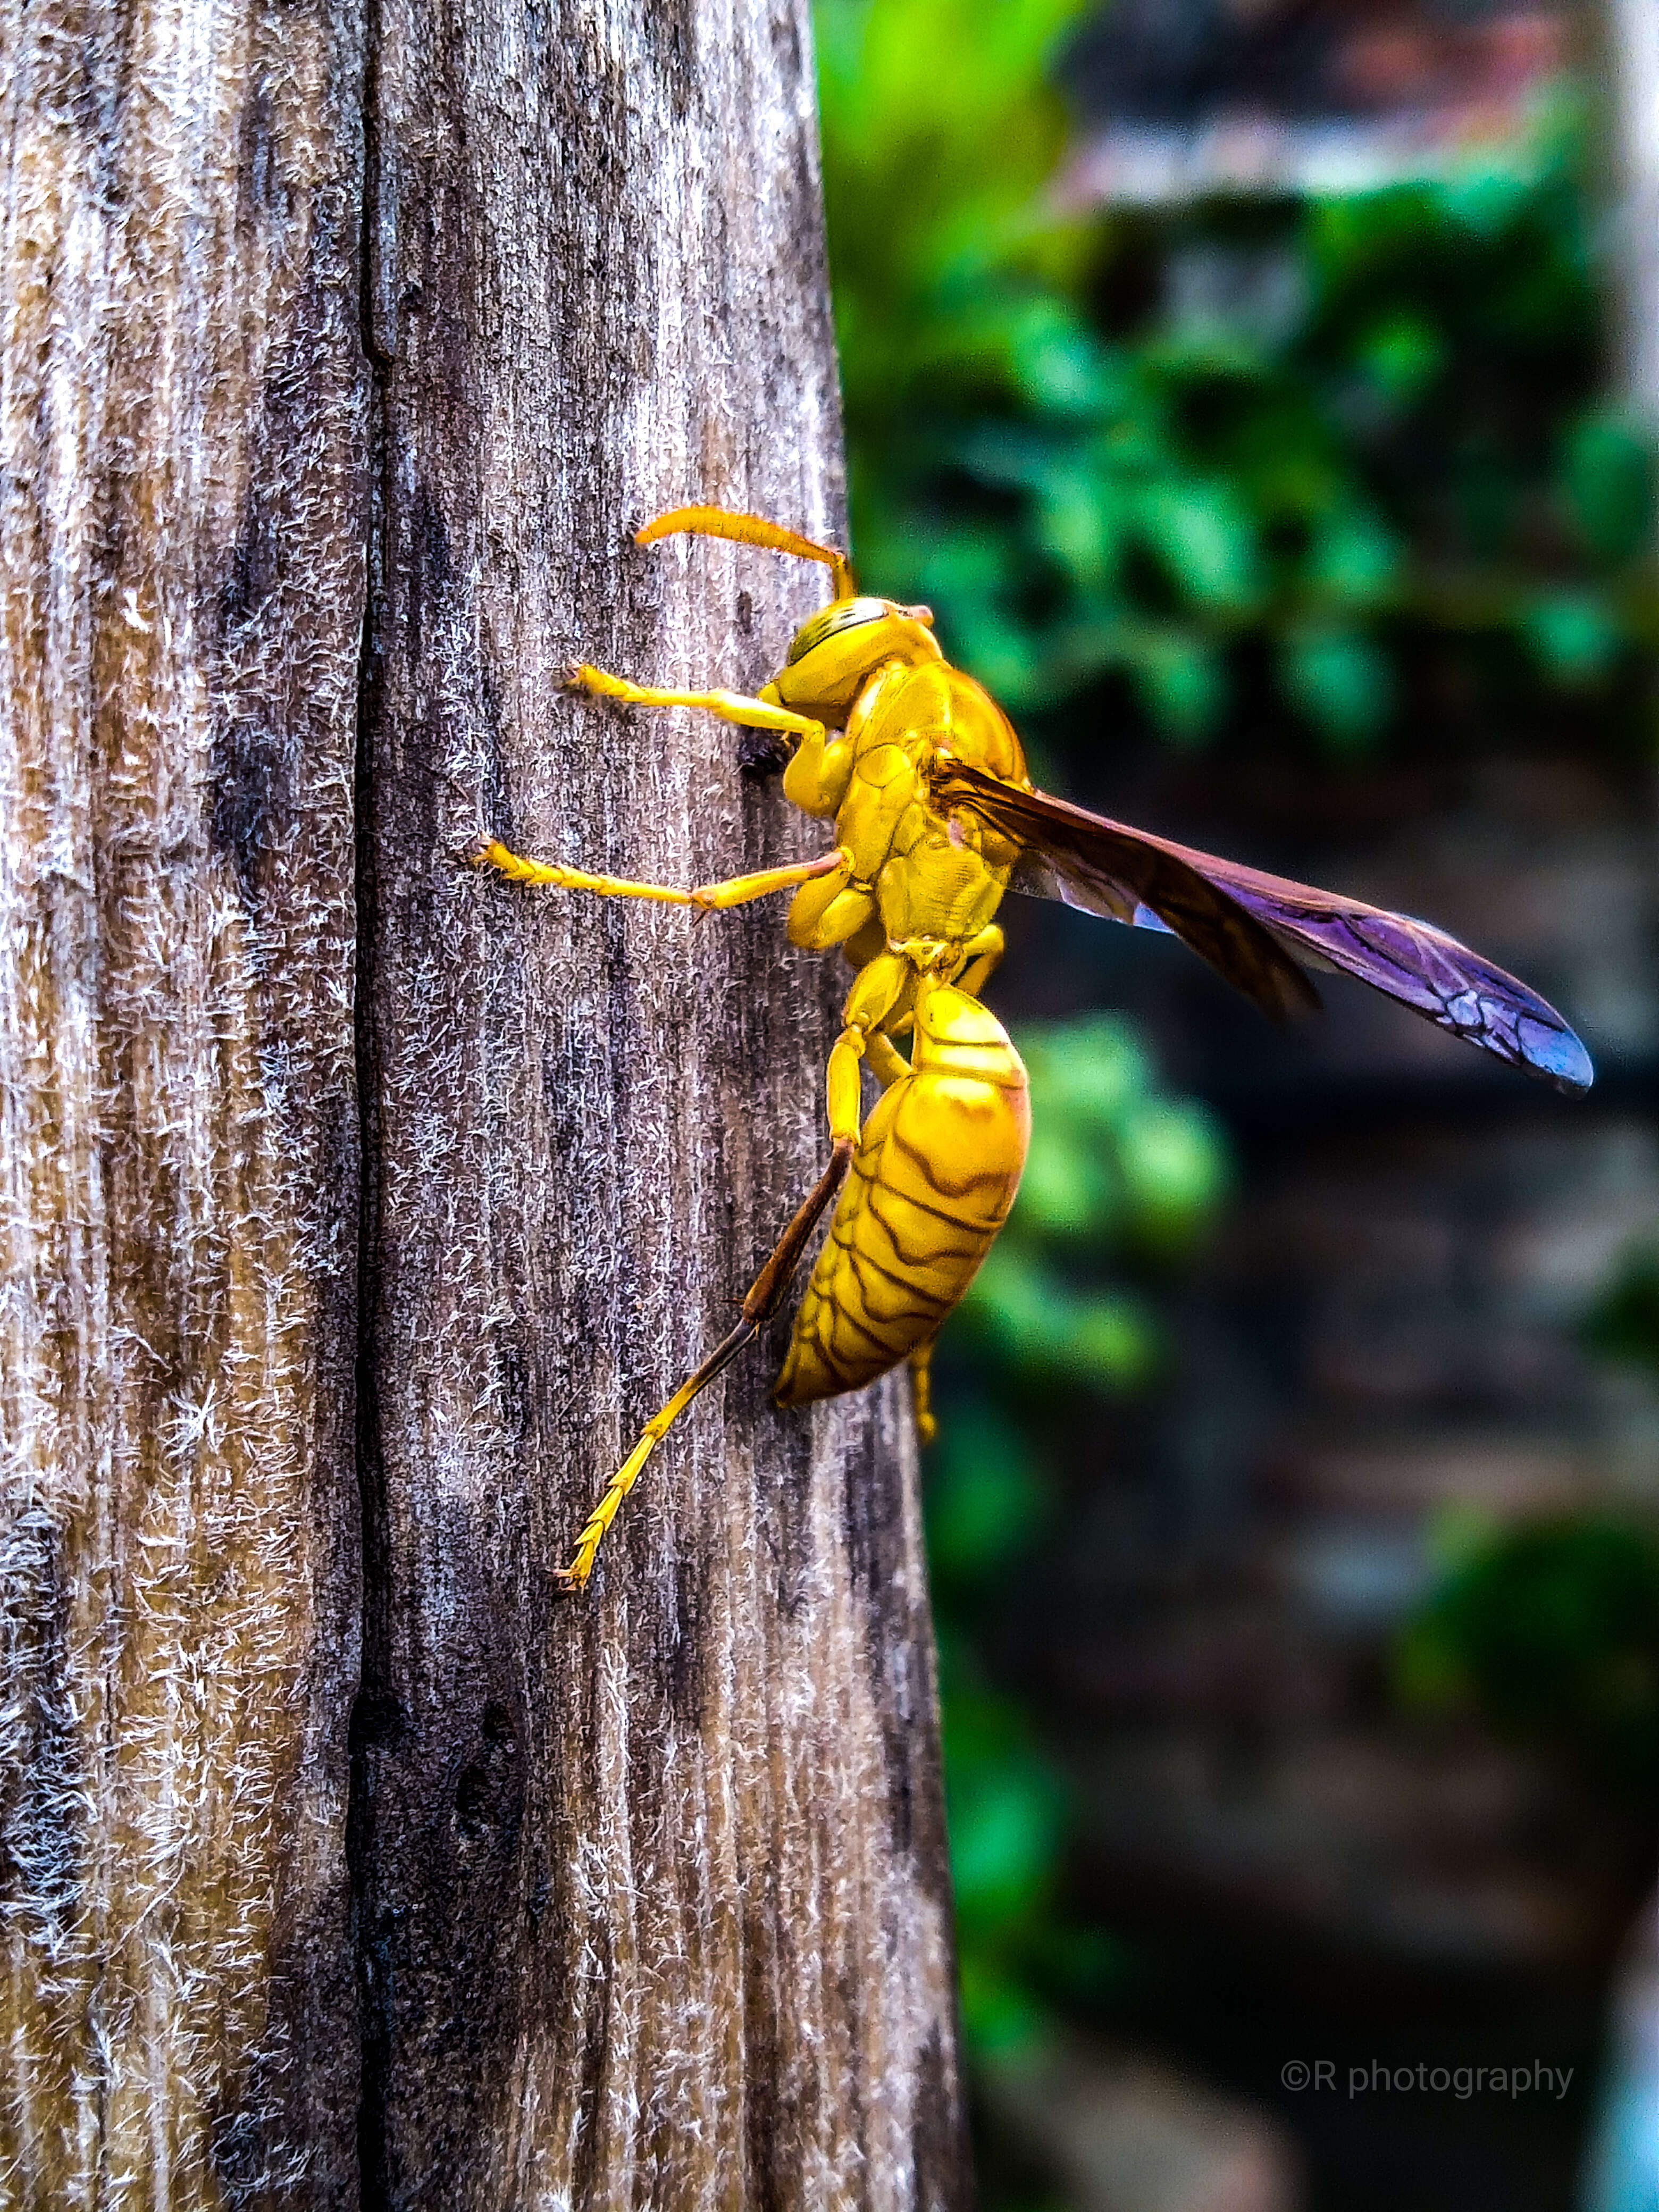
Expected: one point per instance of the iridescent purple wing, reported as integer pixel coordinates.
(1069, 853)
(1110, 869)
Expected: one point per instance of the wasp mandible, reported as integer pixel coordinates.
(935, 820)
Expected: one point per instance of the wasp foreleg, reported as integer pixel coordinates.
(730, 705)
(765, 1295)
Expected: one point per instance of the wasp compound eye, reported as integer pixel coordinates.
(844, 614)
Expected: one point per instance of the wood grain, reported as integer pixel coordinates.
(357, 1210)
(182, 413)
(652, 1882)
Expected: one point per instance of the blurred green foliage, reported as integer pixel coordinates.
(1327, 460)
(1121, 1178)
(1624, 1322)
(1551, 1630)
(1116, 1170)
(1340, 466)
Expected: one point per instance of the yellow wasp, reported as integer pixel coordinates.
(935, 820)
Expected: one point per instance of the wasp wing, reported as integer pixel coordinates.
(1110, 869)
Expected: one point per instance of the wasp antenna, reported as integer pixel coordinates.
(749, 530)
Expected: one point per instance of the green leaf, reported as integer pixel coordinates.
(1403, 354)
(985, 1502)
(1060, 366)
(1552, 1628)
(1624, 1322)
(1574, 636)
(1181, 680)
(1608, 469)
(1207, 540)
(1174, 1168)
(1069, 1188)
(1000, 2017)
(1038, 1322)
(1355, 557)
(1005, 1823)
(1341, 680)
(1094, 1066)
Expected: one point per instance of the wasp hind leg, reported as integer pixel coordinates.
(765, 1295)
(982, 952)
(886, 1061)
(921, 1391)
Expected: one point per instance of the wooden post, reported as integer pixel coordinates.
(181, 563)
(1629, 35)
(360, 1208)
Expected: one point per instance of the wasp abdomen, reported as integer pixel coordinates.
(938, 1164)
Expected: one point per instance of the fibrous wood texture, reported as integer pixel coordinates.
(181, 408)
(360, 1208)
(650, 1882)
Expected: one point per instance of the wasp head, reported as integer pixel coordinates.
(833, 652)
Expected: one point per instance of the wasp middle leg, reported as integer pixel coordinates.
(734, 891)
(982, 952)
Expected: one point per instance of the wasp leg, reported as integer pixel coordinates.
(735, 890)
(766, 1294)
(921, 1389)
(887, 1063)
(983, 952)
(730, 705)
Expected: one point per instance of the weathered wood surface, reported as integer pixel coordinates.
(182, 416)
(341, 353)
(651, 1883)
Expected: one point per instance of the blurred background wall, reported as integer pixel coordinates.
(1256, 389)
